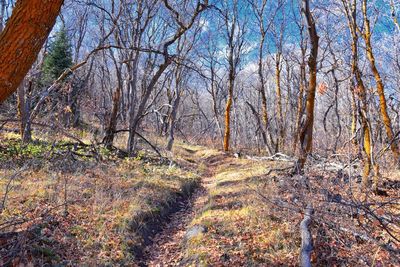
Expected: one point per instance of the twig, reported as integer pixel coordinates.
(3, 203)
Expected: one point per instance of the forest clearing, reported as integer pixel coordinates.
(199, 133)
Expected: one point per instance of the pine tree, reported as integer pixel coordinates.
(58, 59)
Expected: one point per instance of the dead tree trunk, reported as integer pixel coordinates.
(22, 38)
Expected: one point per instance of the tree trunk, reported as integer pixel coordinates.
(24, 106)
(264, 111)
(22, 38)
(366, 134)
(227, 134)
(353, 129)
(394, 17)
(379, 86)
(338, 126)
(306, 136)
(112, 122)
(229, 102)
(279, 113)
(216, 118)
(214, 103)
(174, 112)
(132, 97)
(21, 108)
(260, 125)
(300, 100)
(142, 106)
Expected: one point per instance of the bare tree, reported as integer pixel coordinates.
(183, 27)
(235, 37)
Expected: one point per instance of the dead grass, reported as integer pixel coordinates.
(87, 212)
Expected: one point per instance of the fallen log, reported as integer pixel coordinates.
(275, 157)
(306, 238)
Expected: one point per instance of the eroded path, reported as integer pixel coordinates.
(167, 248)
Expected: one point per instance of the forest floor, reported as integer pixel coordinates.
(201, 207)
(247, 213)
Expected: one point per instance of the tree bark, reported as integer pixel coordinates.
(22, 38)
(231, 81)
(354, 116)
(260, 125)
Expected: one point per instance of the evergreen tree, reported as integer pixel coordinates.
(58, 59)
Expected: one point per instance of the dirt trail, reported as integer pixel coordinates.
(166, 248)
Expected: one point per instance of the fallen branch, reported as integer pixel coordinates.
(335, 167)
(58, 127)
(279, 170)
(306, 238)
(144, 139)
(150, 144)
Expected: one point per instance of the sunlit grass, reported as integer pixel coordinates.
(102, 198)
(238, 231)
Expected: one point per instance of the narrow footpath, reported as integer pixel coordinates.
(226, 223)
(167, 246)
